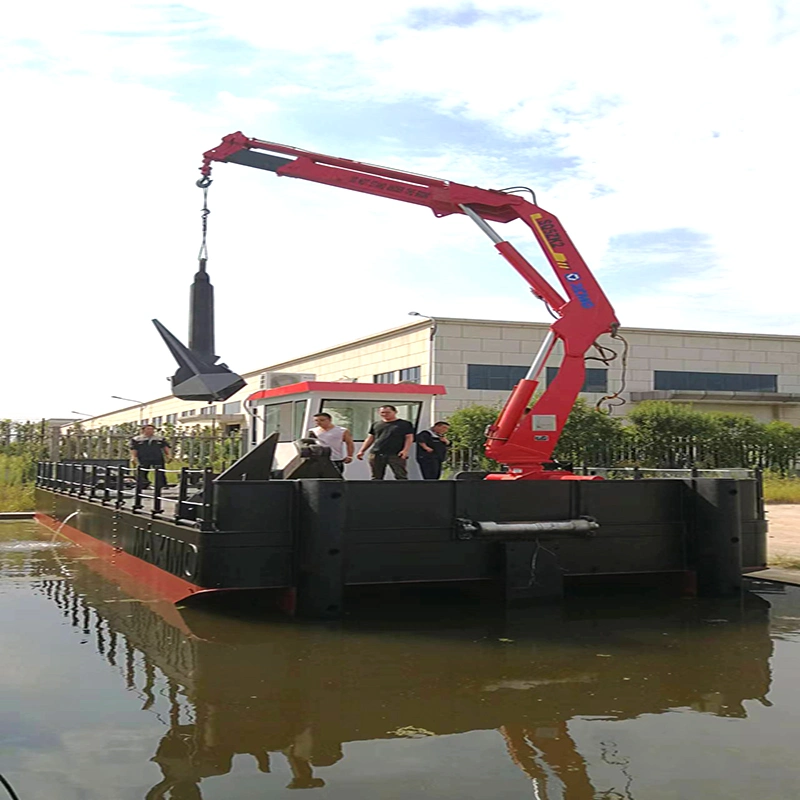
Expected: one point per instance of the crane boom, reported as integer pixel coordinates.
(523, 438)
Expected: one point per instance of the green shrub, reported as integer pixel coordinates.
(590, 437)
(468, 433)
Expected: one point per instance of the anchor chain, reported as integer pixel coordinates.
(202, 256)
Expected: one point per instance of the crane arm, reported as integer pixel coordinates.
(522, 438)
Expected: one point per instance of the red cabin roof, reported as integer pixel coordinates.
(392, 389)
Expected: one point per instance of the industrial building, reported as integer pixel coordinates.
(479, 361)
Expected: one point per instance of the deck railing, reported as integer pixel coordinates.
(183, 496)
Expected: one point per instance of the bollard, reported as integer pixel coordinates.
(320, 544)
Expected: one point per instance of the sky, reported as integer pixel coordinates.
(663, 135)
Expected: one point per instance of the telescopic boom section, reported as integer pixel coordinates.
(523, 437)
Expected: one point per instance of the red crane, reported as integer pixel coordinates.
(522, 437)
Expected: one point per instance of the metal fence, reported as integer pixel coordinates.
(682, 454)
(195, 452)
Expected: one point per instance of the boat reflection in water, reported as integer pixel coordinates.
(271, 689)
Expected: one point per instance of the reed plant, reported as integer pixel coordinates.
(16, 489)
(16, 498)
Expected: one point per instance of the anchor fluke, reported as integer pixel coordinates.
(199, 378)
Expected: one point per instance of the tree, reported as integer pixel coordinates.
(781, 446)
(467, 433)
(734, 440)
(590, 437)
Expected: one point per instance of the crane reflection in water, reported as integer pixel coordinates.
(272, 689)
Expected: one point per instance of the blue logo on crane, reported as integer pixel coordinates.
(581, 295)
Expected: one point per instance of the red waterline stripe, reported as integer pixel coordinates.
(131, 573)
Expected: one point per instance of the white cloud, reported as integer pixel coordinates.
(684, 114)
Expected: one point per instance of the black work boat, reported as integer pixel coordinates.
(310, 541)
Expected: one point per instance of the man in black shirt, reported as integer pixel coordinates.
(432, 451)
(149, 452)
(390, 439)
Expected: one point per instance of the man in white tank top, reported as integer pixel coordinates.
(337, 438)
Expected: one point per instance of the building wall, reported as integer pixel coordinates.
(457, 343)
(362, 360)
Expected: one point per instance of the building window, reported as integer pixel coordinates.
(208, 411)
(497, 377)
(384, 377)
(189, 412)
(172, 419)
(411, 374)
(596, 380)
(157, 422)
(144, 422)
(714, 381)
(232, 408)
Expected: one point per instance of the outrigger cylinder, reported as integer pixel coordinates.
(469, 529)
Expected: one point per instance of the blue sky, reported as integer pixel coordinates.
(664, 136)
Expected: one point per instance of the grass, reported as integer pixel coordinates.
(784, 562)
(781, 490)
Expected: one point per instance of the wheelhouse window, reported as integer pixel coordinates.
(285, 418)
(358, 415)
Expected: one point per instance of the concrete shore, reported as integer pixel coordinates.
(784, 535)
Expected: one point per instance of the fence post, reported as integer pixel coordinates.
(158, 475)
(106, 479)
(137, 491)
(92, 481)
(120, 486)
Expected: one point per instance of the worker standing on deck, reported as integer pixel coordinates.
(391, 439)
(432, 447)
(149, 451)
(339, 439)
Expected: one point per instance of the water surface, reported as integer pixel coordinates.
(101, 697)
